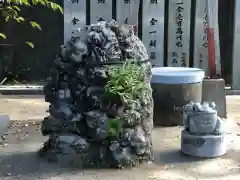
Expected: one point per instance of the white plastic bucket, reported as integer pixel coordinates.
(176, 75)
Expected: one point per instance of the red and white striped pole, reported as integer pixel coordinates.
(213, 39)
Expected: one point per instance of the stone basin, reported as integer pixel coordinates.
(174, 87)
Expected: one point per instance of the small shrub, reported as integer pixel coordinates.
(127, 81)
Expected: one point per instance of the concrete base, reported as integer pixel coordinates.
(214, 90)
(4, 123)
(203, 146)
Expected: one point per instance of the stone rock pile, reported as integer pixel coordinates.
(82, 122)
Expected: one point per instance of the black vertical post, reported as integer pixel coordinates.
(140, 18)
(192, 32)
(114, 9)
(88, 11)
(165, 44)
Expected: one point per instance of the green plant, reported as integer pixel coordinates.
(127, 81)
(114, 127)
(11, 9)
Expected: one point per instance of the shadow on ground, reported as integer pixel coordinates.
(175, 157)
(29, 163)
(227, 166)
(19, 160)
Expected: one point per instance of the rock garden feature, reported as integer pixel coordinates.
(101, 107)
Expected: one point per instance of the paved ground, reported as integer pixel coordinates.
(23, 107)
(18, 158)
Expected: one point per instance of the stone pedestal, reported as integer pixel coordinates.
(214, 91)
(207, 146)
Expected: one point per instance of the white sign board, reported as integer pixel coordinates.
(201, 36)
(206, 17)
(236, 51)
(213, 24)
(127, 12)
(153, 30)
(179, 33)
(74, 16)
(100, 9)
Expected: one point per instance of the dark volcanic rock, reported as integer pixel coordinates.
(85, 122)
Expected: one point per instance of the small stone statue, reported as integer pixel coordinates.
(202, 119)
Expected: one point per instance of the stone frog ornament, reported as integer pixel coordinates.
(202, 119)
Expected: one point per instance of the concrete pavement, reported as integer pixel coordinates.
(18, 158)
(33, 107)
